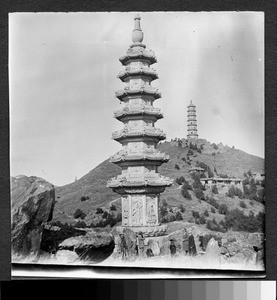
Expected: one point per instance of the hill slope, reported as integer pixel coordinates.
(226, 160)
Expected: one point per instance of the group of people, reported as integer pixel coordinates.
(139, 247)
(188, 244)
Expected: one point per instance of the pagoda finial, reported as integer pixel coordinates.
(137, 34)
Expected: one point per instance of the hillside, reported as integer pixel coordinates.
(222, 159)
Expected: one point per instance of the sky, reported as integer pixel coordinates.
(63, 71)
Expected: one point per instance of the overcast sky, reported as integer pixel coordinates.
(63, 75)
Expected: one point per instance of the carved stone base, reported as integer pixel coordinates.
(147, 231)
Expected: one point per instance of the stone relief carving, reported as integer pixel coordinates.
(125, 211)
(151, 216)
(137, 211)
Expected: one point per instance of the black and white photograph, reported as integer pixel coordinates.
(137, 139)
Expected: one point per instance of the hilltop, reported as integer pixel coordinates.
(90, 192)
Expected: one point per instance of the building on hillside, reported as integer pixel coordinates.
(219, 182)
(192, 122)
(140, 184)
(197, 170)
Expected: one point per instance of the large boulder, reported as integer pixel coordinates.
(32, 205)
(94, 247)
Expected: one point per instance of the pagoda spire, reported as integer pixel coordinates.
(137, 34)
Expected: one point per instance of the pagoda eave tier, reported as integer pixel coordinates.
(122, 160)
(138, 111)
(138, 54)
(144, 72)
(139, 133)
(122, 186)
(152, 92)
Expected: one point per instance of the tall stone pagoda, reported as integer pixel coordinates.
(140, 184)
(192, 122)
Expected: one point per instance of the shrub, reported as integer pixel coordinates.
(191, 220)
(234, 191)
(185, 193)
(206, 213)
(80, 224)
(79, 214)
(214, 226)
(164, 203)
(84, 198)
(190, 152)
(163, 211)
(177, 167)
(213, 210)
(180, 180)
(182, 209)
(223, 209)
(199, 194)
(213, 202)
(214, 189)
(236, 220)
(202, 220)
(105, 215)
(113, 207)
(178, 216)
(184, 159)
(172, 218)
(210, 172)
(99, 210)
(242, 204)
(195, 214)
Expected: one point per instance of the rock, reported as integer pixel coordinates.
(94, 246)
(32, 205)
(66, 257)
(213, 251)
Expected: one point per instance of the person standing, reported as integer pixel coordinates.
(192, 247)
(172, 248)
(185, 246)
(140, 243)
(123, 247)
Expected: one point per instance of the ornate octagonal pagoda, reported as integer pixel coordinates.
(140, 184)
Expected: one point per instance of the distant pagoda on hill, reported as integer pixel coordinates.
(192, 122)
(140, 184)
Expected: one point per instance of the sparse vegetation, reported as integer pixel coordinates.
(214, 226)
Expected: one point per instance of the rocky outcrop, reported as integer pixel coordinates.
(32, 205)
(93, 247)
